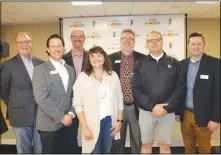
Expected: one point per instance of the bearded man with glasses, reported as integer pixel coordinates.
(123, 62)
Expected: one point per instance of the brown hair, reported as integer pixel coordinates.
(127, 31)
(88, 69)
(196, 34)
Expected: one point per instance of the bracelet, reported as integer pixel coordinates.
(119, 120)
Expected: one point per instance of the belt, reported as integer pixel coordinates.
(190, 109)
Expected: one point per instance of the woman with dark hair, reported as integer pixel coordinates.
(52, 86)
(98, 102)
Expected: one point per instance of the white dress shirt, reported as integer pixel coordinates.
(62, 71)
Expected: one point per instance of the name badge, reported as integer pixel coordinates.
(204, 76)
(117, 61)
(54, 72)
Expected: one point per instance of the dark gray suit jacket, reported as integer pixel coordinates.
(52, 99)
(16, 91)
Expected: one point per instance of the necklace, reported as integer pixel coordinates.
(102, 86)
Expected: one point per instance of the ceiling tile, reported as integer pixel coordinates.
(141, 8)
(196, 9)
(120, 8)
(35, 10)
(61, 9)
(93, 10)
(173, 7)
(212, 13)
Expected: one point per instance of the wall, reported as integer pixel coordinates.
(210, 28)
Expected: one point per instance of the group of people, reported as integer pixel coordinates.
(46, 101)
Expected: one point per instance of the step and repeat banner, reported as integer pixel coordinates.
(105, 32)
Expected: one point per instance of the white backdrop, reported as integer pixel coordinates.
(105, 31)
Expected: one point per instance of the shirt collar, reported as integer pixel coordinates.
(25, 59)
(157, 57)
(130, 55)
(76, 54)
(57, 64)
(198, 60)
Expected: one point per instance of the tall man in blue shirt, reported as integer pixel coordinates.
(199, 110)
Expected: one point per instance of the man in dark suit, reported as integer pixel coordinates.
(75, 58)
(122, 63)
(200, 110)
(17, 93)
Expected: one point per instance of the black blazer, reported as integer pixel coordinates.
(69, 59)
(116, 66)
(17, 92)
(206, 92)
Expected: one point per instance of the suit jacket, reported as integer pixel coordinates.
(116, 66)
(206, 91)
(17, 92)
(69, 59)
(52, 99)
(85, 99)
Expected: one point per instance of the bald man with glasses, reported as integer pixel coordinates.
(17, 93)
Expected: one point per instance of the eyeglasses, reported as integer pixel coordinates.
(79, 37)
(125, 38)
(23, 42)
(154, 40)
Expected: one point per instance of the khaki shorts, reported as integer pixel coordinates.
(148, 126)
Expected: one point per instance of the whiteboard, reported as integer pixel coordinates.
(105, 32)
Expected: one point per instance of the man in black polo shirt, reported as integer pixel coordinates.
(157, 84)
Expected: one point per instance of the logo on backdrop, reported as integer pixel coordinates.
(93, 23)
(114, 47)
(152, 22)
(136, 34)
(77, 24)
(170, 21)
(94, 35)
(131, 22)
(170, 45)
(114, 34)
(114, 23)
(170, 33)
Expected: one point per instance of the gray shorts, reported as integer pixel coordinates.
(148, 126)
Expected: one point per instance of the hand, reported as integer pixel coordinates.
(213, 126)
(116, 128)
(67, 120)
(163, 113)
(159, 111)
(177, 118)
(87, 133)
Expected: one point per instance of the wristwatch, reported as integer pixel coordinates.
(118, 120)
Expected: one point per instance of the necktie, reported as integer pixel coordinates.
(126, 82)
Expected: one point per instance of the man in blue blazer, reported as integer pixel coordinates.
(199, 112)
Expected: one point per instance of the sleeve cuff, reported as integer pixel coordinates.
(71, 113)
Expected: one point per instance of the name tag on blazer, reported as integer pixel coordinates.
(117, 61)
(204, 77)
(54, 72)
